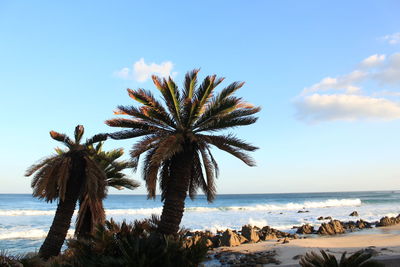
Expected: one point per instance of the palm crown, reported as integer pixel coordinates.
(52, 173)
(185, 122)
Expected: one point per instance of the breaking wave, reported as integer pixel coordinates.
(261, 207)
(28, 234)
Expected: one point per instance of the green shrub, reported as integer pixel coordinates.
(137, 244)
(360, 258)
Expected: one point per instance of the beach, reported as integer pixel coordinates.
(24, 221)
(384, 242)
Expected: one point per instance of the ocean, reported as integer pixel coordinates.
(24, 220)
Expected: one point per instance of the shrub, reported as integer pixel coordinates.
(136, 244)
(360, 258)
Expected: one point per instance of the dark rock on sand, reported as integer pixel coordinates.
(305, 229)
(328, 218)
(331, 228)
(230, 239)
(250, 233)
(386, 221)
(320, 218)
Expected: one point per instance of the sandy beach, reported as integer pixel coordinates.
(385, 241)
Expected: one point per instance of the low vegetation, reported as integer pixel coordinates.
(360, 258)
(121, 244)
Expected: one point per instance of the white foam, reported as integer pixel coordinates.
(259, 223)
(262, 207)
(28, 234)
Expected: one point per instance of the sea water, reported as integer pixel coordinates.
(24, 220)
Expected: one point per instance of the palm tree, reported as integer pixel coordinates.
(177, 140)
(67, 177)
(108, 161)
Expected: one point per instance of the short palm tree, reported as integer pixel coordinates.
(177, 140)
(108, 161)
(67, 177)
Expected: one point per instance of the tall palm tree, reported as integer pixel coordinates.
(177, 138)
(108, 161)
(67, 177)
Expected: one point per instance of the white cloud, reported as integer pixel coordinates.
(317, 107)
(141, 71)
(373, 61)
(392, 38)
(345, 98)
(344, 82)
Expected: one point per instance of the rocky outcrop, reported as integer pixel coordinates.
(386, 221)
(360, 224)
(250, 233)
(305, 229)
(331, 228)
(320, 218)
(303, 211)
(230, 239)
(268, 233)
(354, 213)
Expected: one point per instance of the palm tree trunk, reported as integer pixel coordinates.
(174, 203)
(65, 210)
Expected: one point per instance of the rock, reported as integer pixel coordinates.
(349, 225)
(354, 213)
(216, 240)
(305, 229)
(285, 240)
(303, 211)
(386, 221)
(230, 239)
(328, 218)
(320, 218)
(331, 228)
(209, 243)
(269, 237)
(243, 239)
(250, 233)
(361, 224)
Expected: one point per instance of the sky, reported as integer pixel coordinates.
(326, 74)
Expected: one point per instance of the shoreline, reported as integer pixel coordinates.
(383, 242)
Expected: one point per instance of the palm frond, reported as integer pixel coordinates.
(230, 140)
(135, 124)
(222, 124)
(121, 183)
(235, 152)
(190, 83)
(146, 114)
(96, 138)
(162, 86)
(61, 138)
(78, 133)
(127, 134)
(229, 90)
(209, 170)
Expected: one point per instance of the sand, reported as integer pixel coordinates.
(385, 240)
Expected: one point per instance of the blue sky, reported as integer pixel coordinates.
(327, 75)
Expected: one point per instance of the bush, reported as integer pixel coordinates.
(360, 258)
(137, 244)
